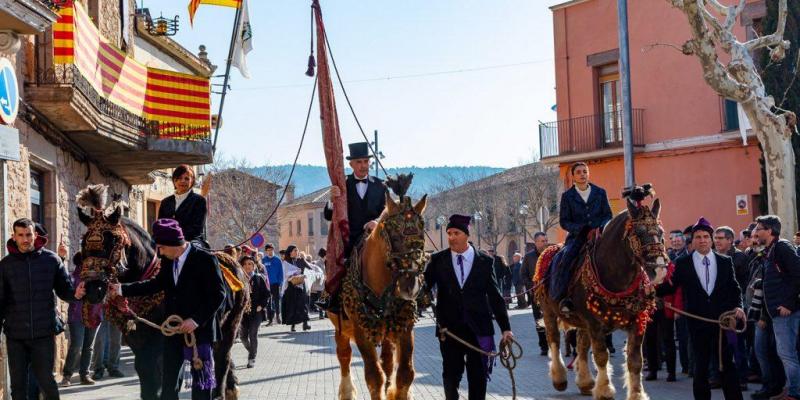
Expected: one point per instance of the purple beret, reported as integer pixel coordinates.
(167, 232)
(460, 222)
(703, 225)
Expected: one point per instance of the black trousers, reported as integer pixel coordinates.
(455, 358)
(148, 363)
(173, 368)
(660, 332)
(249, 333)
(705, 344)
(36, 356)
(275, 310)
(540, 330)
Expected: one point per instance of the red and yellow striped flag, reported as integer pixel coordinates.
(194, 4)
(64, 36)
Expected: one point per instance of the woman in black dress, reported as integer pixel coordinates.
(294, 306)
(186, 206)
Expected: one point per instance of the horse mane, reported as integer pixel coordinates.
(141, 251)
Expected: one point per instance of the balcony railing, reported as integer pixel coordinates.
(69, 75)
(587, 134)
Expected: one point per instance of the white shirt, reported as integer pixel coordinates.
(467, 257)
(361, 187)
(176, 271)
(700, 269)
(179, 198)
(584, 193)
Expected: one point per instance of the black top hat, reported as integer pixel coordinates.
(359, 150)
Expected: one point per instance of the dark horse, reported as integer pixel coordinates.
(611, 290)
(116, 249)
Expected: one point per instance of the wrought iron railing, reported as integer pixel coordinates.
(588, 133)
(69, 75)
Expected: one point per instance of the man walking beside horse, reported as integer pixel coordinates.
(467, 298)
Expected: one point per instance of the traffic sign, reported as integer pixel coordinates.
(9, 92)
(257, 240)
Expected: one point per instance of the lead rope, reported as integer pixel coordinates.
(726, 322)
(169, 328)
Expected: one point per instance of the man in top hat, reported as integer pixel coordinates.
(584, 210)
(365, 203)
(709, 287)
(193, 290)
(467, 297)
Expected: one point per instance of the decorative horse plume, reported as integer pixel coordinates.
(93, 197)
(400, 183)
(639, 193)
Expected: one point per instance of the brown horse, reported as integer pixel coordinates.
(611, 290)
(379, 298)
(116, 249)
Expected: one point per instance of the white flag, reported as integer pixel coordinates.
(244, 42)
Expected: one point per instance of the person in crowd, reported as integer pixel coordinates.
(527, 273)
(771, 372)
(517, 281)
(29, 275)
(294, 305)
(81, 337)
(687, 234)
(797, 239)
(259, 300)
(318, 284)
(186, 206)
(659, 338)
(365, 203)
(502, 269)
(709, 289)
(781, 286)
(467, 296)
(191, 280)
(677, 244)
(274, 267)
(584, 210)
(723, 244)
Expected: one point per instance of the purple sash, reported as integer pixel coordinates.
(203, 378)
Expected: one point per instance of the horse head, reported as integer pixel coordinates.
(403, 230)
(103, 246)
(645, 237)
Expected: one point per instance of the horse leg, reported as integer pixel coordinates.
(372, 368)
(583, 378)
(603, 388)
(405, 366)
(387, 363)
(633, 375)
(558, 373)
(347, 391)
(148, 362)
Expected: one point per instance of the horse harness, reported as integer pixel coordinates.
(380, 315)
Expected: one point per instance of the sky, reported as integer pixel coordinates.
(445, 82)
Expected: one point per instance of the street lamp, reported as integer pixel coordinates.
(440, 220)
(523, 211)
(477, 216)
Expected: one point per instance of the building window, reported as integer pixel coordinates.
(310, 224)
(610, 103)
(37, 196)
(323, 224)
(299, 228)
(290, 228)
(731, 113)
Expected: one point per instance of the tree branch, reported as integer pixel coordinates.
(775, 39)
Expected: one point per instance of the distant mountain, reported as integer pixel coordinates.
(308, 178)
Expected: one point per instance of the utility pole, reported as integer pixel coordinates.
(377, 153)
(625, 81)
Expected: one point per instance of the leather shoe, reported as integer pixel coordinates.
(671, 377)
(651, 376)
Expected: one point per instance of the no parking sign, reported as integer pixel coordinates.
(257, 240)
(9, 92)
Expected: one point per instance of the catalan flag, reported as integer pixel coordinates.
(194, 4)
(179, 102)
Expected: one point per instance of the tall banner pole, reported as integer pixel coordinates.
(235, 32)
(334, 155)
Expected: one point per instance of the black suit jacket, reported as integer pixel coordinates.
(472, 306)
(529, 267)
(191, 215)
(575, 215)
(725, 296)
(360, 211)
(198, 294)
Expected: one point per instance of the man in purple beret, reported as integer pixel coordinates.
(193, 290)
(467, 297)
(709, 289)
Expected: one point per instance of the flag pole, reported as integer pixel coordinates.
(227, 73)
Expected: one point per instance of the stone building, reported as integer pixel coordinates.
(74, 128)
(301, 222)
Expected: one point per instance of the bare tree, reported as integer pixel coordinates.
(240, 202)
(739, 80)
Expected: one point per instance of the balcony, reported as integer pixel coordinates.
(126, 144)
(587, 137)
(26, 16)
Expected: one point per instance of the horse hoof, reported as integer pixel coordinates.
(586, 390)
(232, 394)
(560, 386)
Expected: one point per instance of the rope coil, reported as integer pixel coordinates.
(726, 322)
(170, 327)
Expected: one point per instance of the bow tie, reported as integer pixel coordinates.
(364, 181)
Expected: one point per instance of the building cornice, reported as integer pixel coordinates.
(567, 4)
(27, 16)
(172, 48)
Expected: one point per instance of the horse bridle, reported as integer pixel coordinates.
(410, 262)
(649, 251)
(99, 268)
